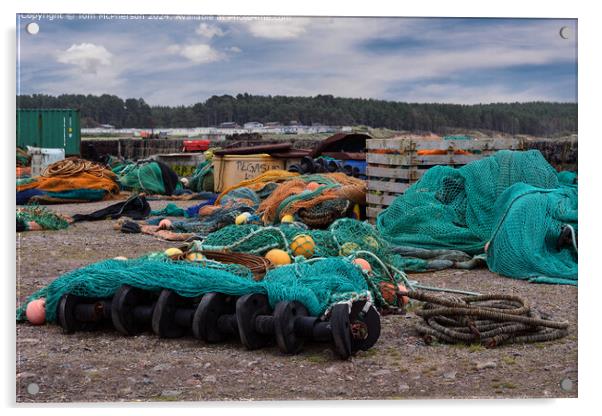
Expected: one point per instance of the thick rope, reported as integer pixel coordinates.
(504, 319)
(73, 166)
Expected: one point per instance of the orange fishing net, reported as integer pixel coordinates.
(348, 187)
(74, 173)
(259, 181)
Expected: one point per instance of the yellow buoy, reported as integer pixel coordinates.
(195, 257)
(303, 245)
(242, 218)
(287, 219)
(371, 241)
(173, 252)
(348, 248)
(278, 257)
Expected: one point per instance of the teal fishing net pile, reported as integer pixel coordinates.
(170, 210)
(202, 178)
(523, 245)
(143, 177)
(47, 219)
(516, 200)
(344, 237)
(317, 284)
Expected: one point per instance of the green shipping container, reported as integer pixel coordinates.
(49, 128)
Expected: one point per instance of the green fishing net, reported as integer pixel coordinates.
(515, 199)
(47, 219)
(202, 178)
(143, 177)
(317, 284)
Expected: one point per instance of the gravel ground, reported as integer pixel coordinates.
(105, 366)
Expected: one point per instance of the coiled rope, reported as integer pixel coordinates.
(500, 319)
(257, 264)
(74, 165)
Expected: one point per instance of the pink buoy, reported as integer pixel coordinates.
(364, 265)
(36, 311)
(164, 224)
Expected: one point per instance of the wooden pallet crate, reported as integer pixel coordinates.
(393, 165)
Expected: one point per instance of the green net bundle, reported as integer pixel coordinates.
(44, 217)
(523, 245)
(202, 178)
(344, 237)
(144, 177)
(317, 284)
(460, 209)
(23, 158)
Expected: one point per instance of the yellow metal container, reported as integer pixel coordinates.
(229, 170)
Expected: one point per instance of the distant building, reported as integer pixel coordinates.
(293, 123)
(229, 125)
(272, 124)
(252, 125)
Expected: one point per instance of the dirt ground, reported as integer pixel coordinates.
(106, 366)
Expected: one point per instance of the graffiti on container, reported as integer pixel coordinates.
(183, 170)
(253, 169)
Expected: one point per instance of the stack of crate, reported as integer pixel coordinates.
(394, 164)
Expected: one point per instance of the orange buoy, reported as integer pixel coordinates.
(36, 311)
(193, 256)
(303, 245)
(389, 292)
(364, 265)
(404, 299)
(278, 257)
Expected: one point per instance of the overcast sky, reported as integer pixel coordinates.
(173, 62)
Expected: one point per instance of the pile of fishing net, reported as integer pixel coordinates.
(344, 237)
(35, 218)
(316, 200)
(513, 205)
(149, 176)
(69, 180)
(202, 178)
(317, 284)
(23, 169)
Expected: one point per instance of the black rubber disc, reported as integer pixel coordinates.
(205, 321)
(122, 311)
(163, 321)
(285, 314)
(370, 319)
(65, 313)
(341, 330)
(248, 307)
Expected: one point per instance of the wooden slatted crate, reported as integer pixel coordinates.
(393, 165)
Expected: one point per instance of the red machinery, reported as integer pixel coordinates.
(196, 145)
